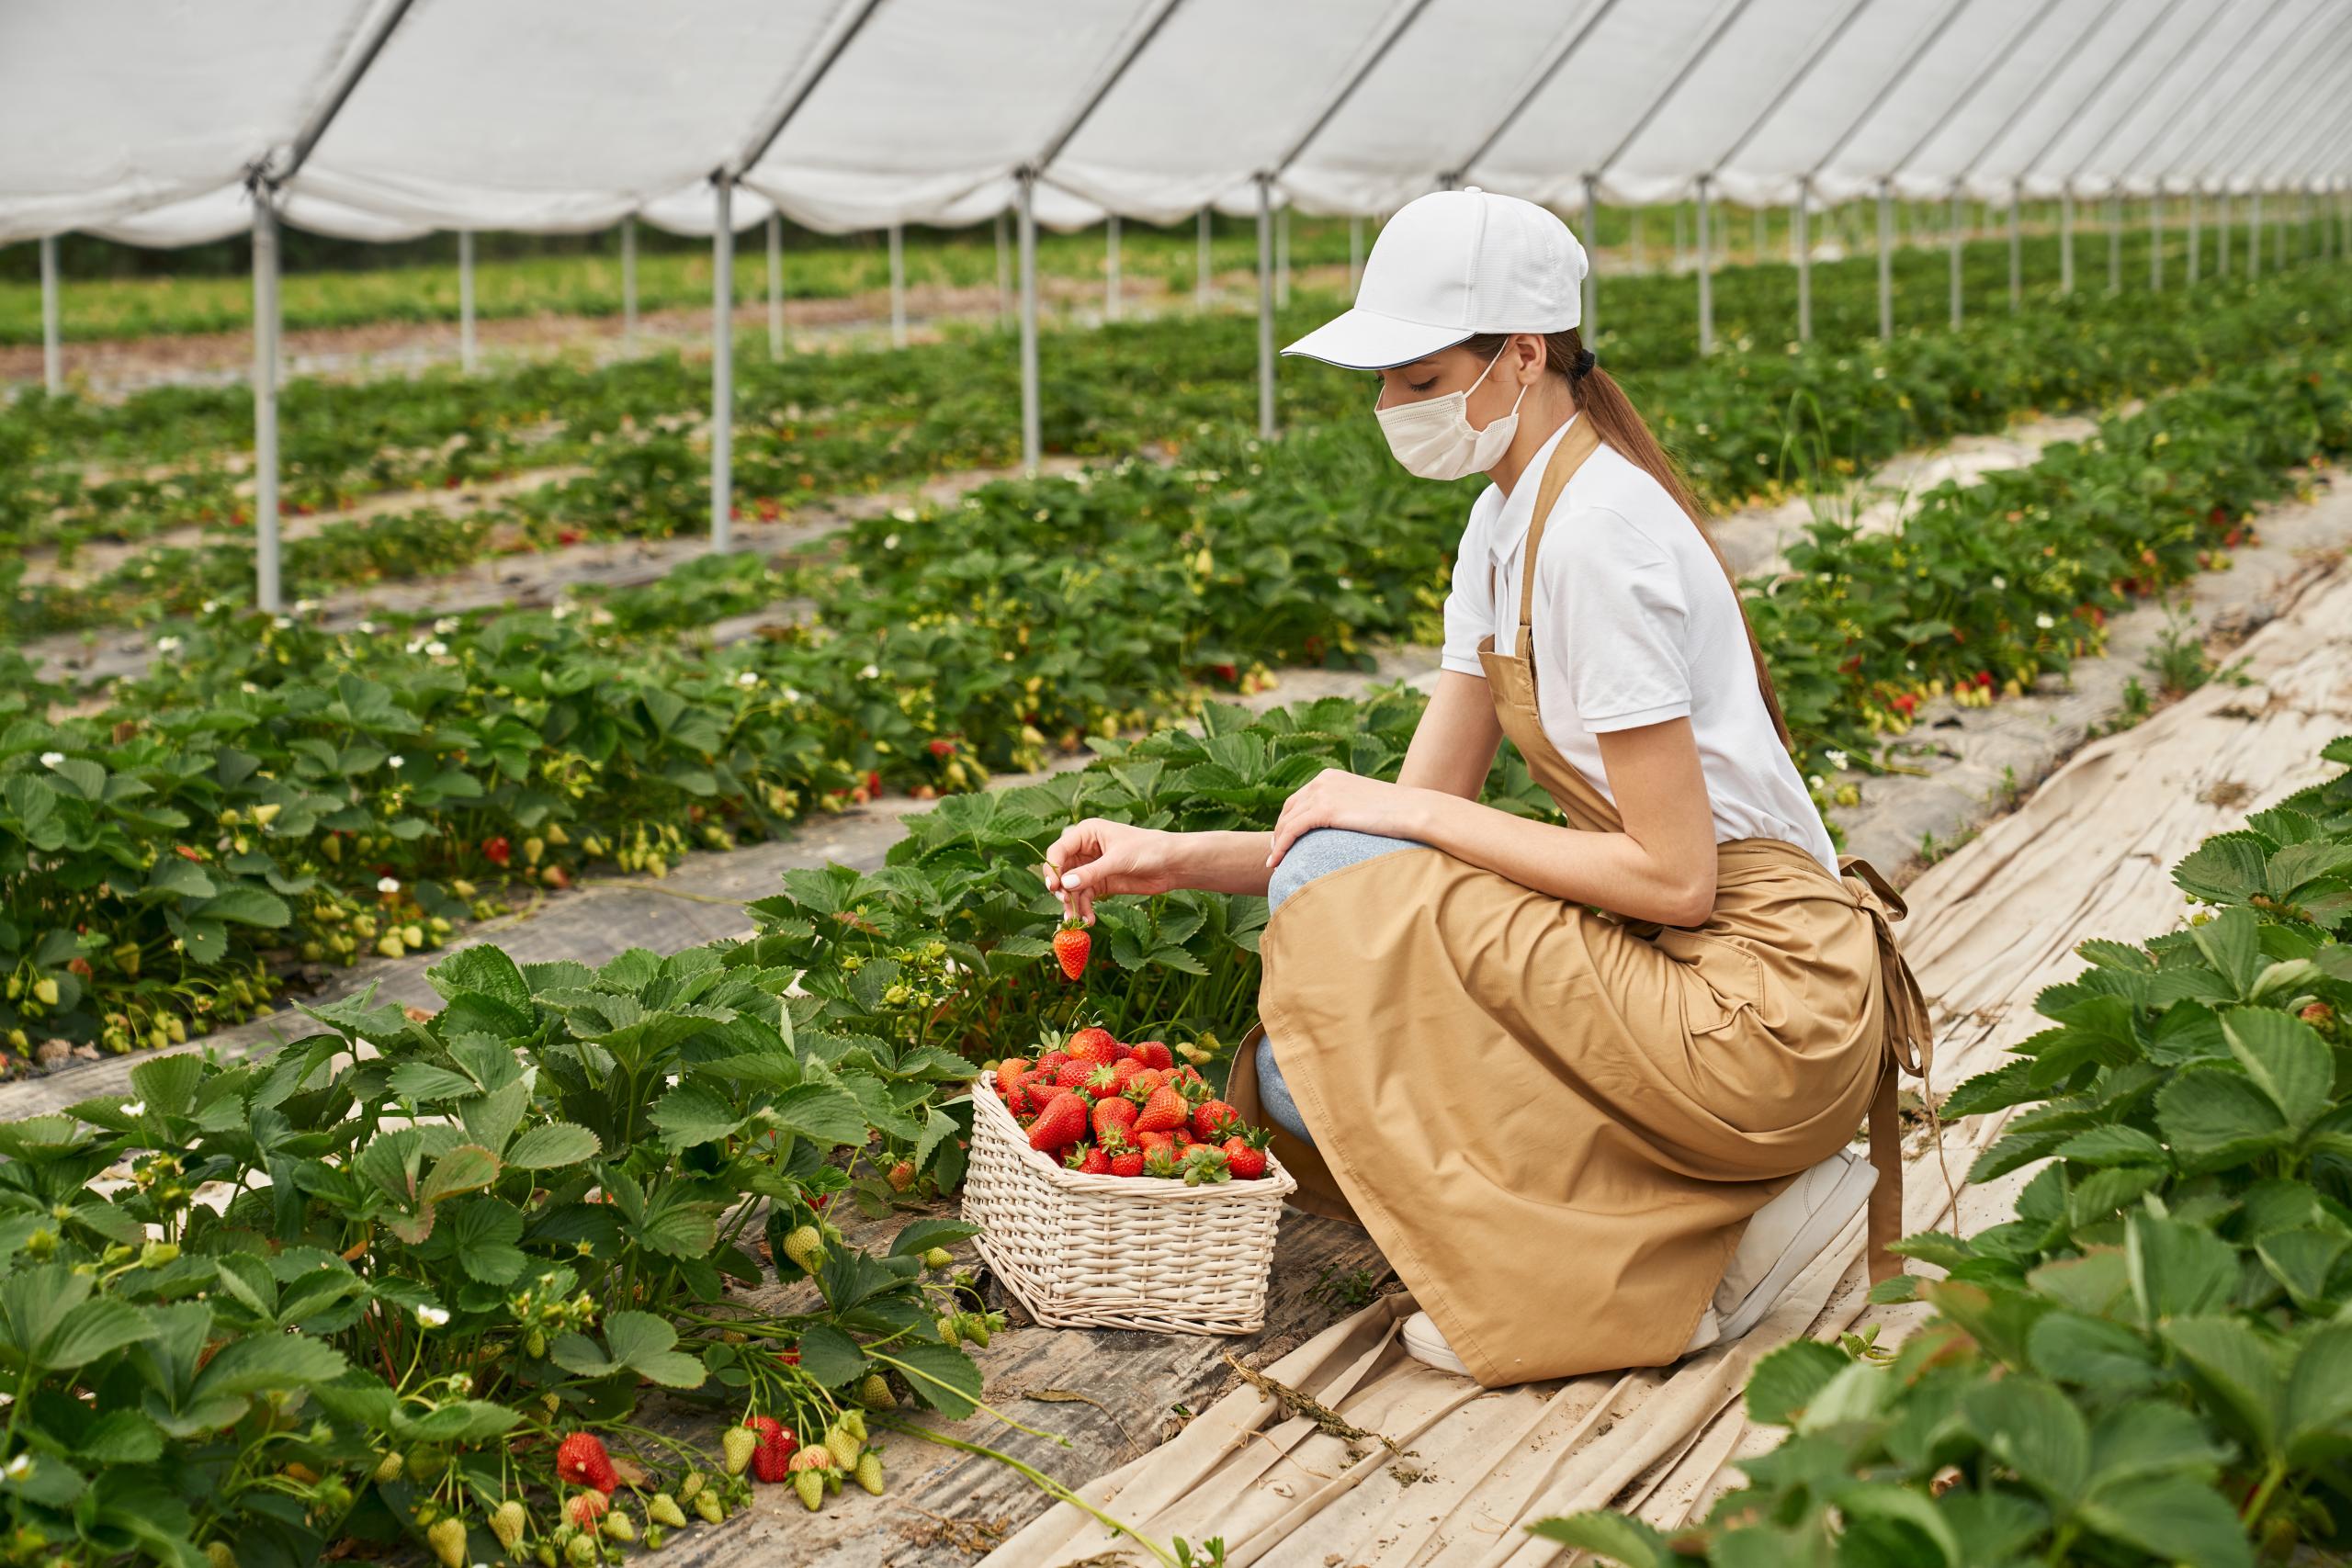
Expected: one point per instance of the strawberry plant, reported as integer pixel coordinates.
(2150, 1363)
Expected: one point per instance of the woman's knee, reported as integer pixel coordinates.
(1321, 850)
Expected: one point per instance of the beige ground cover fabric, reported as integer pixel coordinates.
(2089, 854)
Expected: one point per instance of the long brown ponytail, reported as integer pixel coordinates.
(1618, 422)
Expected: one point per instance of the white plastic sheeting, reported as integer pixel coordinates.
(142, 119)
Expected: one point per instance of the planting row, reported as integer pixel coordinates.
(1747, 427)
(271, 790)
(174, 458)
(2151, 1361)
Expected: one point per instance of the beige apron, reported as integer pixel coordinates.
(1555, 1122)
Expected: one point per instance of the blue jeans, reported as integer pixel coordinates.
(1312, 855)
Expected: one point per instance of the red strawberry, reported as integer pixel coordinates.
(1073, 1073)
(1113, 1113)
(1127, 1162)
(1008, 1074)
(1155, 1053)
(1087, 1159)
(1021, 1105)
(1047, 1065)
(1121, 1052)
(1061, 1123)
(1245, 1153)
(586, 1508)
(1094, 1046)
(1148, 1142)
(772, 1461)
(1161, 1162)
(1163, 1111)
(1209, 1120)
(1123, 1070)
(1101, 1082)
(1142, 1082)
(580, 1459)
(498, 850)
(1071, 944)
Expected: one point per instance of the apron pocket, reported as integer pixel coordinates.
(1720, 977)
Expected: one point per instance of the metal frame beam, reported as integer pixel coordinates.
(2293, 75)
(2310, 86)
(1570, 40)
(1691, 62)
(2139, 41)
(307, 139)
(52, 369)
(1829, 40)
(1887, 89)
(2171, 125)
(757, 147)
(2034, 94)
(2154, 88)
(1410, 12)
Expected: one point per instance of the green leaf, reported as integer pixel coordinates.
(244, 906)
(556, 1144)
(2318, 1417)
(924, 1235)
(1903, 1506)
(2173, 1520)
(2215, 1119)
(168, 1084)
(2147, 1438)
(695, 1114)
(92, 1329)
(2176, 1269)
(645, 1344)
(2302, 1261)
(2093, 1351)
(484, 969)
(2286, 1059)
(1785, 1382)
(2035, 1429)
(2237, 1372)
(829, 1357)
(423, 1080)
(941, 1377)
(1620, 1537)
(466, 1169)
(821, 1113)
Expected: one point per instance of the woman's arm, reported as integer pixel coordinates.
(1662, 867)
(1098, 857)
(1455, 745)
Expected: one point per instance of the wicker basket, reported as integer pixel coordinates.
(1118, 1252)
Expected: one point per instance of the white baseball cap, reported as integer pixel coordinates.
(1449, 265)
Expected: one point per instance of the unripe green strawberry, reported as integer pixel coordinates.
(738, 1442)
(810, 1485)
(854, 1423)
(389, 1468)
(707, 1505)
(448, 1540)
(974, 1328)
(869, 1472)
(544, 1556)
(875, 1392)
(580, 1551)
(618, 1527)
(806, 1247)
(841, 1446)
(665, 1510)
(218, 1554)
(506, 1522)
(939, 1258)
(948, 1328)
(691, 1487)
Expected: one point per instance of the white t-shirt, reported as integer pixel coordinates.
(1633, 622)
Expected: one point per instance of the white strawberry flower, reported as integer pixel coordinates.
(748, 679)
(1836, 757)
(792, 693)
(304, 606)
(167, 645)
(210, 605)
(1816, 781)
(387, 884)
(436, 649)
(20, 1466)
(445, 624)
(283, 623)
(50, 759)
(1999, 583)
(871, 673)
(889, 541)
(132, 1108)
(396, 763)
(366, 628)
(2043, 621)
(433, 1316)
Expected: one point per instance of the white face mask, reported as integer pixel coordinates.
(1435, 439)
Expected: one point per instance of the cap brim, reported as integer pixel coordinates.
(1365, 340)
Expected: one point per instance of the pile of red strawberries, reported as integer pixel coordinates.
(1109, 1109)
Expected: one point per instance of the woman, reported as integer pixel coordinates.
(1590, 1086)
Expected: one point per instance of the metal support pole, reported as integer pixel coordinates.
(1706, 276)
(1265, 308)
(2066, 241)
(1281, 256)
(2115, 243)
(1956, 199)
(1003, 274)
(628, 282)
(2222, 232)
(1885, 259)
(776, 285)
(466, 300)
(1202, 274)
(2017, 251)
(266, 586)
(2254, 237)
(1755, 245)
(898, 286)
(1355, 253)
(53, 372)
(2195, 221)
(1804, 243)
(2156, 240)
(1640, 263)
(1033, 443)
(1110, 267)
(722, 363)
(1587, 316)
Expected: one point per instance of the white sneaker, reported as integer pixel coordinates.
(1786, 1236)
(1427, 1345)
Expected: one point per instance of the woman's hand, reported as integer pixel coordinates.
(1338, 798)
(1098, 857)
